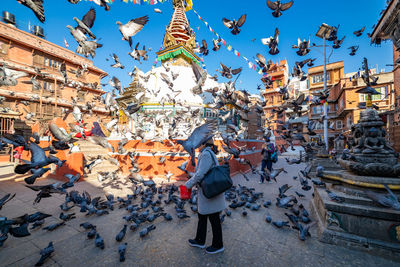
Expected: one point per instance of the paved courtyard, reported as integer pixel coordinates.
(248, 241)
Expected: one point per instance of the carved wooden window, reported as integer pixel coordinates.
(81, 96)
(38, 58)
(4, 46)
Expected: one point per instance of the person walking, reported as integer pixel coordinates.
(267, 155)
(207, 207)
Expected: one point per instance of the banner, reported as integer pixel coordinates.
(229, 47)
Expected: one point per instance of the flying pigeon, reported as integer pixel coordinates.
(234, 25)
(354, 49)
(36, 6)
(86, 23)
(200, 135)
(132, 27)
(227, 72)
(272, 42)
(277, 6)
(358, 33)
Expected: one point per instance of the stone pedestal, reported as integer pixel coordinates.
(358, 222)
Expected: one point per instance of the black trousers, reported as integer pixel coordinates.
(216, 229)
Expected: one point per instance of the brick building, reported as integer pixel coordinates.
(388, 28)
(335, 73)
(279, 73)
(348, 111)
(26, 52)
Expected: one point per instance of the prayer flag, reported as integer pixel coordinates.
(189, 5)
(66, 43)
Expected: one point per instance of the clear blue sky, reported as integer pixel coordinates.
(301, 20)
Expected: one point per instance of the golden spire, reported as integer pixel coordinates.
(178, 30)
(179, 39)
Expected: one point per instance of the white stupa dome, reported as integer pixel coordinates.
(184, 82)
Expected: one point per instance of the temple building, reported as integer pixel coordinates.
(388, 28)
(42, 94)
(171, 88)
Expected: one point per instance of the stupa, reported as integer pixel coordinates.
(169, 88)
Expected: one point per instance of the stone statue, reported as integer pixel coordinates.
(372, 144)
(371, 155)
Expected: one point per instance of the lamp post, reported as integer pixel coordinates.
(324, 32)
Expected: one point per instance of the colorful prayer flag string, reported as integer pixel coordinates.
(229, 47)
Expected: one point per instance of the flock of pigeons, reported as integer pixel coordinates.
(149, 201)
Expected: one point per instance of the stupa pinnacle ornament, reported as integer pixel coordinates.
(179, 39)
(370, 154)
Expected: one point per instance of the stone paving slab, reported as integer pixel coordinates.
(248, 241)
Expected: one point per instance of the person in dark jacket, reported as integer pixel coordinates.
(266, 156)
(207, 207)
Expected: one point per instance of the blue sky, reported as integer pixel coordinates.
(301, 20)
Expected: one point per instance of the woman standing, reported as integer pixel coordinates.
(266, 155)
(207, 207)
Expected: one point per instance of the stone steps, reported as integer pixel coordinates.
(358, 206)
(6, 167)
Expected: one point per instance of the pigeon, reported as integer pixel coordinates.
(353, 49)
(36, 6)
(146, 230)
(72, 179)
(337, 43)
(303, 46)
(102, 3)
(216, 44)
(304, 230)
(389, 201)
(358, 33)
(45, 253)
(37, 224)
(54, 226)
(274, 173)
(121, 251)
(99, 241)
(198, 137)
(278, 7)
(8, 77)
(131, 28)
(272, 43)
(38, 159)
(335, 197)
(227, 72)
(121, 234)
(268, 218)
(137, 54)
(92, 233)
(280, 224)
(234, 25)
(67, 217)
(87, 225)
(203, 48)
(86, 23)
(5, 199)
(117, 63)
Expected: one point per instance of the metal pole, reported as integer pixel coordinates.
(326, 102)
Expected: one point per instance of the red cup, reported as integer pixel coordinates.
(185, 192)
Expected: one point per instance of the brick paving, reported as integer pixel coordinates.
(248, 241)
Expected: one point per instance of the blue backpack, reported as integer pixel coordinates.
(274, 155)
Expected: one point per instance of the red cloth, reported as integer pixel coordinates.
(19, 149)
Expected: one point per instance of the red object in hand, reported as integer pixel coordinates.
(185, 192)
